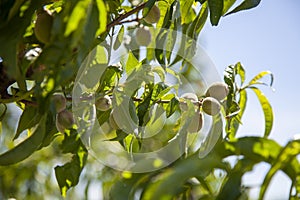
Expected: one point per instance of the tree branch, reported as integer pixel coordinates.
(118, 20)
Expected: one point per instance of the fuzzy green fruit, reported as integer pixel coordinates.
(196, 123)
(59, 101)
(218, 91)
(153, 15)
(211, 106)
(143, 36)
(103, 103)
(64, 120)
(43, 26)
(187, 96)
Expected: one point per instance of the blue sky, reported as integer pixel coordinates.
(264, 38)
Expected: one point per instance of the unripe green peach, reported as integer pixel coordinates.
(196, 123)
(218, 91)
(211, 106)
(153, 15)
(112, 122)
(103, 103)
(59, 101)
(187, 96)
(143, 36)
(43, 26)
(64, 120)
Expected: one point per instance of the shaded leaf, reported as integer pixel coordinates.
(119, 38)
(27, 147)
(216, 9)
(215, 133)
(28, 119)
(246, 4)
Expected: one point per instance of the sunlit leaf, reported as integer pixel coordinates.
(186, 11)
(102, 18)
(256, 79)
(119, 38)
(227, 5)
(235, 121)
(286, 157)
(267, 109)
(77, 16)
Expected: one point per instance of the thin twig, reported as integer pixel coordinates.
(118, 20)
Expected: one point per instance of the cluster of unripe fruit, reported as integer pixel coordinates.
(64, 118)
(143, 35)
(210, 104)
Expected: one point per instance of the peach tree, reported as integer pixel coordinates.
(121, 93)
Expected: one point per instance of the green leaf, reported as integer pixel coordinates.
(119, 38)
(256, 79)
(227, 5)
(234, 123)
(173, 105)
(102, 18)
(27, 147)
(68, 174)
(131, 64)
(28, 119)
(286, 157)
(215, 133)
(232, 187)
(3, 109)
(186, 11)
(246, 4)
(170, 181)
(216, 9)
(78, 16)
(267, 109)
(103, 116)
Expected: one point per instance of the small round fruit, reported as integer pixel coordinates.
(43, 26)
(211, 106)
(60, 102)
(153, 15)
(64, 120)
(112, 122)
(218, 91)
(196, 123)
(143, 36)
(187, 96)
(103, 103)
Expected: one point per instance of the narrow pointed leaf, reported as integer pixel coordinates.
(267, 110)
(25, 148)
(216, 9)
(245, 5)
